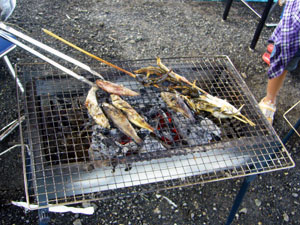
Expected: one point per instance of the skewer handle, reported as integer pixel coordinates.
(46, 59)
(48, 49)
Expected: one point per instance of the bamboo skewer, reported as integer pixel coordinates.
(116, 67)
(87, 53)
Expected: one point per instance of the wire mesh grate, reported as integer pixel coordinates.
(71, 159)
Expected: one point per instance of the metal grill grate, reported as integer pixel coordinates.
(68, 160)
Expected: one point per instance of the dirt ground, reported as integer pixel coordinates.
(139, 29)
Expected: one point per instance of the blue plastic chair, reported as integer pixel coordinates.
(5, 48)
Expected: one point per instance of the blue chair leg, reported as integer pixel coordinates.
(239, 198)
(261, 24)
(227, 8)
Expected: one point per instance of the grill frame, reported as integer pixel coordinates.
(37, 183)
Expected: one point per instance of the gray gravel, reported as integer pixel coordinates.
(121, 30)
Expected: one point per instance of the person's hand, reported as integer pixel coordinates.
(281, 2)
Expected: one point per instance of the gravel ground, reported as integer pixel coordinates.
(136, 29)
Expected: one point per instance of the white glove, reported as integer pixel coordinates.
(7, 7)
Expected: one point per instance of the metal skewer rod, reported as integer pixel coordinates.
(10, 127)
(87, 53)
(50, 61)
(48, 49)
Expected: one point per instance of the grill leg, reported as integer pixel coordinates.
(261, 21)
(290, 133)
(239, 198)
(227, 8)
(261, 24)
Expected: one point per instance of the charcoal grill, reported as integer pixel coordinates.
(66, 162)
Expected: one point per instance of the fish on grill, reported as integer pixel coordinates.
(130, 112)
(175, 102)
(113, 88)
(150, 70)
(94, 109)
(121, 121)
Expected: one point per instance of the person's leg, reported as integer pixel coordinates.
(268, 104)
(273, 88)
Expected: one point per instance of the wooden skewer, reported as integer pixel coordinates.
(87, 53)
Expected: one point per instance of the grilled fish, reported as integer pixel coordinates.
(175, 102)
(113, 88)
(131, 114)
(120, 120)
(150, 70)
(94, 109)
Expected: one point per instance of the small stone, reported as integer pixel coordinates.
(286, 217)
(132, 41)
(139, 38)
(295, 195)
(77, 222)
(244, 75)
(237, 216)
(192, 215)
(95, 206)
(257, 202)
(86, 204)
(156, 211)
(243, 210)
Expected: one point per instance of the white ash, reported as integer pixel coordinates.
(105, 142)
(103, 146)
(152, 145)
(195, 133)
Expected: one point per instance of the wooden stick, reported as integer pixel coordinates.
(87, 53)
